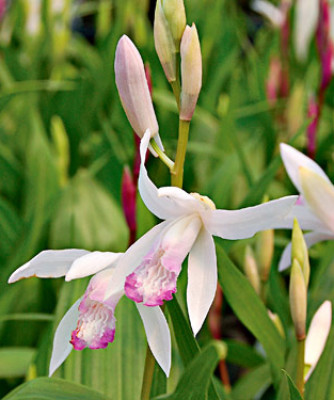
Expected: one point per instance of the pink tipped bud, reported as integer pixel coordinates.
(273, 81)
(133, 88)
(191, 72)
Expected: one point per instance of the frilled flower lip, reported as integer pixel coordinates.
(78, 263)
(313, 209)
(172, 203)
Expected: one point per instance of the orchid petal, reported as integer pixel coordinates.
(91, 263)
(48, 264)
(133, 257)
(268, 10)
(293, 159)
(202, 279)
(319, 194)
(317, 336)
(310, 239)
(158, 335)
(61, 342)
(163, 205)
(244, 223)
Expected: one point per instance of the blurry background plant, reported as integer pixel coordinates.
(64, 142)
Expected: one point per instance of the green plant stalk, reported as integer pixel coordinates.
(163, 157)
(177, 171)
(148, 375)
(300, 365)
(176, 86)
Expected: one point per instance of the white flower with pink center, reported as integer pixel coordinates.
(149, 269)
(314, 208)
(91, 322)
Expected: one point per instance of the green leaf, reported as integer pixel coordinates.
(294, 392)
(195, 381)
(252, 383)
(14, 361)
(249, 309)
(53, 389)
(240, 353)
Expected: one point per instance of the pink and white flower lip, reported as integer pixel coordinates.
(314, 209)
(149, 268)
(91, 322)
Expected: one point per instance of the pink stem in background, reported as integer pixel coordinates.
(2, 8)
(285, 39)
(130, 180)
(325, 50)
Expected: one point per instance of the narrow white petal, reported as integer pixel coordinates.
(48, 264)
(202, 279)
(319, 195)
(293, 160)
(310, 239)
(91, 263)
(61, 342)
(317, 335)
(244, 223)
(163, 206)
(133, 257)
(158, 335)
(268, 10)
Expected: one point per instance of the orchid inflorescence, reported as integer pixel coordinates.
(148, 270)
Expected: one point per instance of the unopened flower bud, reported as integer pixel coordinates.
(191, 72)
(317, 336)
(277, 322)
(133, 89)
(164, 43)
(176, 16)
(299, 251)
(251, 270)
(298, 299)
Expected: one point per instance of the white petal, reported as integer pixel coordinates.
(293, 160)
(202, 279)
(310, 239)
(133, 257)
(163, 206)
(244, 223)
(306, 18)
(268, 10)
(158, 335)
(319, 195)
(48, 264)
(91, 263)
(317, 335)
(61, 342)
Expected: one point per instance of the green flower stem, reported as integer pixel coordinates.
(163, 157)
(176, 84)
(300, 366)
(148, 375)
(177, 171)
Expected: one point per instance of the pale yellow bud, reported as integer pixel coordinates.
(191, 72)
(251, 270)
(298, 299)
(176, 17)
(299, 250)
(164, 43)
(277, 322)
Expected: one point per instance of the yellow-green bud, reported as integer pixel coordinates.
(298, 299)
(277, 322)
(164, 43)
(251, 270)
(176, 16)
(191, 72)
(299, 250)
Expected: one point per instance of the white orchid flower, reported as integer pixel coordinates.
(90, 322)
(274, 14)
(317, 336)
(314, 209)
(149, 269)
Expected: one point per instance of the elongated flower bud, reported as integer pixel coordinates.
(133, 89)
(176, 16)
(299, 251)
(277, 322)
(164, 43)
(251, 270)
(191, 72)
(298, 299)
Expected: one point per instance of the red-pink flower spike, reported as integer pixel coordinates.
(313, 112)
